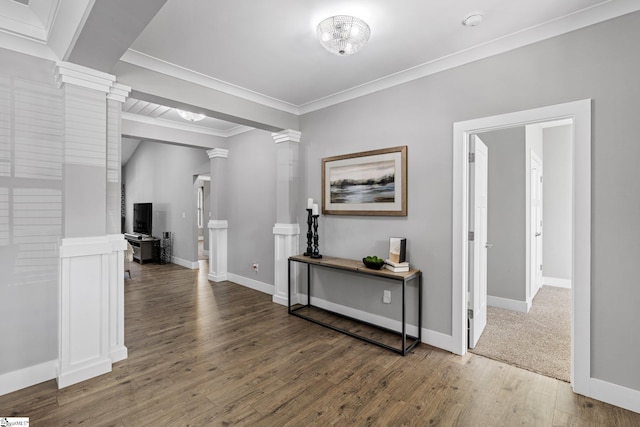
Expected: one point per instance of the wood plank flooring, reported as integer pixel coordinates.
(205, 354)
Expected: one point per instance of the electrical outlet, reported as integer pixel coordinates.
(386, 297)
(255, 266)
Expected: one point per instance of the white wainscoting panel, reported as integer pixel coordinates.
(286, 245)
(91, 319)
(218, 250)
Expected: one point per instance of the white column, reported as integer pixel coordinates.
(91, 304)
(218, 250)
(115, 98)
(286, 230)
(219, 225)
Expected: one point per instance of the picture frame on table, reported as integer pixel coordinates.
(366, 183)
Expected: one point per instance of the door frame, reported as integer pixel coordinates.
(580, 112)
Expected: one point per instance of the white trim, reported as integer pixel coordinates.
(580, 19)
(67, 72)
(218, 223)
(251, 283)
(286, 243)
(26, 46)
(614, 394)
(222, 153)
(508, 304)
(193, 265)
(158, 65)
(433, 338)
(288, 135)
(188, 127)
(365, 316)
(580, 111)
(26, 377)
(83, 371)
(214, 277)
(557, 282)
(119, 92)
(438, 339)
(286, 229)
(218, 250)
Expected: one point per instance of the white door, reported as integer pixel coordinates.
(478, 189)
(536, 224)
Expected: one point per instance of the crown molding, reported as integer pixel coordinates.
(237, 130)
(577, 20)
(158, 65)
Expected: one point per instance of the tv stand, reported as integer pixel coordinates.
(143, 247)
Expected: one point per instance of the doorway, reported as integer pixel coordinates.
(525, 328)
(580, 112)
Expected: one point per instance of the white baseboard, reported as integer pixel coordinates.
(614, 394)
(26, 377)
(217, 277)
(193, 265)
(433, 338)
(84, 372)
(251, 283)
(558, 283)
(439, 340)
(119, 354)
(508, 304)
(277, 299)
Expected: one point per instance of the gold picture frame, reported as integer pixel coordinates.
(367, 183)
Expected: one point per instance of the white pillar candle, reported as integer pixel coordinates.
(309, 203)
(314, 209)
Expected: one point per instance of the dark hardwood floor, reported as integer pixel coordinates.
(205, 354)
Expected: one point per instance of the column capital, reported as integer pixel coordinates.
(66, 72)
(119, 92)
(287, 135)
(218, 152)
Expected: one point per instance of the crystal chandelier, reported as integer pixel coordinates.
(192, 117)
(343, 35)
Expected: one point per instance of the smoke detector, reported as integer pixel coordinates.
(473, 19)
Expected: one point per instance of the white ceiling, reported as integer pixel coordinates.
(267, 51)
(270, 47)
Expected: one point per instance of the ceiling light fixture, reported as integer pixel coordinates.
(192, 117)
(343, 35)
(473, 19)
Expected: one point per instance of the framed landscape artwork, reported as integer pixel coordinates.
(367, 183)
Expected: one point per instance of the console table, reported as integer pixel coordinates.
(358, 267)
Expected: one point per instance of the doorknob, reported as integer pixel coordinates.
(538, 234)
(488, 245)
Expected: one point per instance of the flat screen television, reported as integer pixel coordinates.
(142, 218)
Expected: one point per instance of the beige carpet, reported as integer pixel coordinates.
(539, 341)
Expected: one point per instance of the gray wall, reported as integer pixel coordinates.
(597, 62)
(506, 267)
(557, 172)
(251, 204)
(163, 175)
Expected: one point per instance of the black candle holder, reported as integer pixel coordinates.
(316, 249)
(309, 251)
